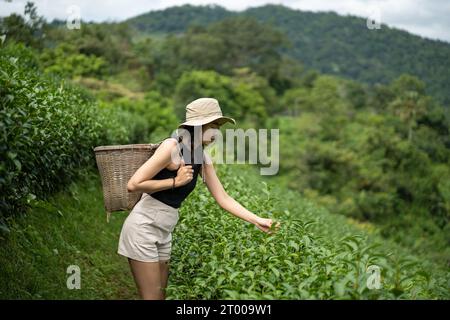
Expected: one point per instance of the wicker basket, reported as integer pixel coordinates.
(116, 165)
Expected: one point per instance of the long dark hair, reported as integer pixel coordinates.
(192, 150)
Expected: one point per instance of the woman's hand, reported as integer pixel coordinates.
(266, 224)
(184, 175)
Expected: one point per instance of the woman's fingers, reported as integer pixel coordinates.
(267, 226)
(187, 171)
(277, 225)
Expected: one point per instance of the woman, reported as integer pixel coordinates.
(166, 179)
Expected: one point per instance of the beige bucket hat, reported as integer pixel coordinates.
(204, 110)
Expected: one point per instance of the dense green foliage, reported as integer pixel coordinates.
(315, 254)
(385, 162)
(48, 126)
(240, 98)
(330, 43)
(376, 158)
(66, 61)
(29, 28)
(52, 126)
(224, 47)
(151, 117)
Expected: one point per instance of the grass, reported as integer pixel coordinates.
(69, 229)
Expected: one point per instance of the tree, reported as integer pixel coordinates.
(250, 43)
(28, 29)
(410, 102)
(236, 98)
(65, 61)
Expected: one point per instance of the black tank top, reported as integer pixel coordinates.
(174, 197)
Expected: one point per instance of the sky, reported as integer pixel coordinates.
(427, 18)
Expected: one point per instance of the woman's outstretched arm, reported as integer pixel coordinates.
(228, 203)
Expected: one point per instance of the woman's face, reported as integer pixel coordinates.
(209, 132)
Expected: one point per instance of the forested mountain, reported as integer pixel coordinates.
(330, 43)
(178, 18)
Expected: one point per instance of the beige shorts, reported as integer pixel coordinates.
(147, 231)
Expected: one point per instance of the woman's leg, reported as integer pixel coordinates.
(148, 279)
(164, 271)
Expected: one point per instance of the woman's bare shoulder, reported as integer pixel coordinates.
(169, 150)
(170, 142)
(167, 147)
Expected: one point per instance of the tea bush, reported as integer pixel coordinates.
(314, 255)
(48, 130)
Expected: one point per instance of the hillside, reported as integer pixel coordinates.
(315, 254)
(328, 42)
(363, 182)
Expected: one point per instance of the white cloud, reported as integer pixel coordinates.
(427, 18)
